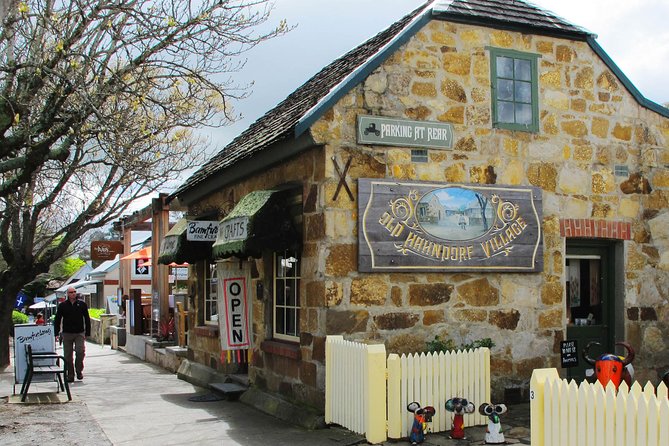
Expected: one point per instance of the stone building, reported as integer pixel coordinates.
(495, 106)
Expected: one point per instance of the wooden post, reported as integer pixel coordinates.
(394, 397)
(159, 273)
(182, 323)
(329, 370)
(375, 385)
(537, 387)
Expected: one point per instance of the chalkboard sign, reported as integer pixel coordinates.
(568, 354)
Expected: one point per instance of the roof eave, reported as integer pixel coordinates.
(260, 161)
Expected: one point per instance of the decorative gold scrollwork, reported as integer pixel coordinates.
(404, 209)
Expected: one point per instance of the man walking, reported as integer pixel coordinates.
(76, 326)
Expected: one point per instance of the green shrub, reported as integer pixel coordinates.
(447, 345)
(19, 318)
(96, 312)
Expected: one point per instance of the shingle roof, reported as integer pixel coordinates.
(280, 123)
(511, 12)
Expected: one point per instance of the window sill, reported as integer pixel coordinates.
(285, 349)
(207, 331)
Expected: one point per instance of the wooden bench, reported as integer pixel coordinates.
(42, 363)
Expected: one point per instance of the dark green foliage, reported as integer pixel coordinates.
(447, 345)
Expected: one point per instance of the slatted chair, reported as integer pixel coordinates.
(36, 365)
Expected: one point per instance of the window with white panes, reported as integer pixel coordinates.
(211, 295)
(286, 321)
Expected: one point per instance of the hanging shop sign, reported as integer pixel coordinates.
(234, 311)
(404, 133)
(202, 231)
(106, 249)
(421, 226)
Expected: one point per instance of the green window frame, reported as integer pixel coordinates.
(515, 90)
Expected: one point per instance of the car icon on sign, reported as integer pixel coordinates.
(371, 128)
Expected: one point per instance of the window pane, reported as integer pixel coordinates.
(504, 89)
(297, 293)
(504, 67)
(290, 292)
(524, 114)
(280, 292)
(523, 69)
(290, 322)
(523, 92)
(280, 320)
(280, 272)
(505, 112)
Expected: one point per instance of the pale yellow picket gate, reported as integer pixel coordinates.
(368, 393)
(566, 414)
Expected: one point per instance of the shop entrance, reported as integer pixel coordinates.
(590, 286)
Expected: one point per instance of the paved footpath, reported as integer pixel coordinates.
(137, 403)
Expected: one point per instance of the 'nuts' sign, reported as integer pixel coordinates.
(106, 249)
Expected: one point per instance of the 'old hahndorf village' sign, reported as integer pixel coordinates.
(447, 227)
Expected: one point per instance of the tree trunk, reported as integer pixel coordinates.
(6, 306)
(12, 280)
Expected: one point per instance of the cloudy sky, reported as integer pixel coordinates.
(635, 34)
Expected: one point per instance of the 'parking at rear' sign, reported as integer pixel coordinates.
(404, 132)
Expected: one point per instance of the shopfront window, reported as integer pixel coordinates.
(286, 296)
(211, 295)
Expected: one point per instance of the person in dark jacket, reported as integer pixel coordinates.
(76, 325)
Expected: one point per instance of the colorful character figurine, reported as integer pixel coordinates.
(610, 367)
(493, 433)
(459, 407)
(421, 416)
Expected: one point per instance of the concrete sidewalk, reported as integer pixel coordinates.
(136, 403)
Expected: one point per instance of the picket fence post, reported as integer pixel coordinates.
(394, 397)
(537, 389)
(329, 373)
(375, 401)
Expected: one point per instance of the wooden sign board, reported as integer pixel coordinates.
(419, 226)
(106, 249)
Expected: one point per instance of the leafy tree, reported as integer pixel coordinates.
(64, 268)
(98, 99)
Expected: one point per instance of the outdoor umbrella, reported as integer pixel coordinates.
(144, 253)
(42, 304)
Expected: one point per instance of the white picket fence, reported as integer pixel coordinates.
(362, 386)
(566, 414)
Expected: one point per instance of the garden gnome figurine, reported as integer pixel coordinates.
(421, 416)
(493, 433)
(459, 407)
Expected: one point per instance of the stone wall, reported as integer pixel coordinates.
(297, 374)
(588, 124)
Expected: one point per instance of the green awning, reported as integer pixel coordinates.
(176, 248)
(259, 221)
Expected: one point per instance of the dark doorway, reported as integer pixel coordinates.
(590, 286)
